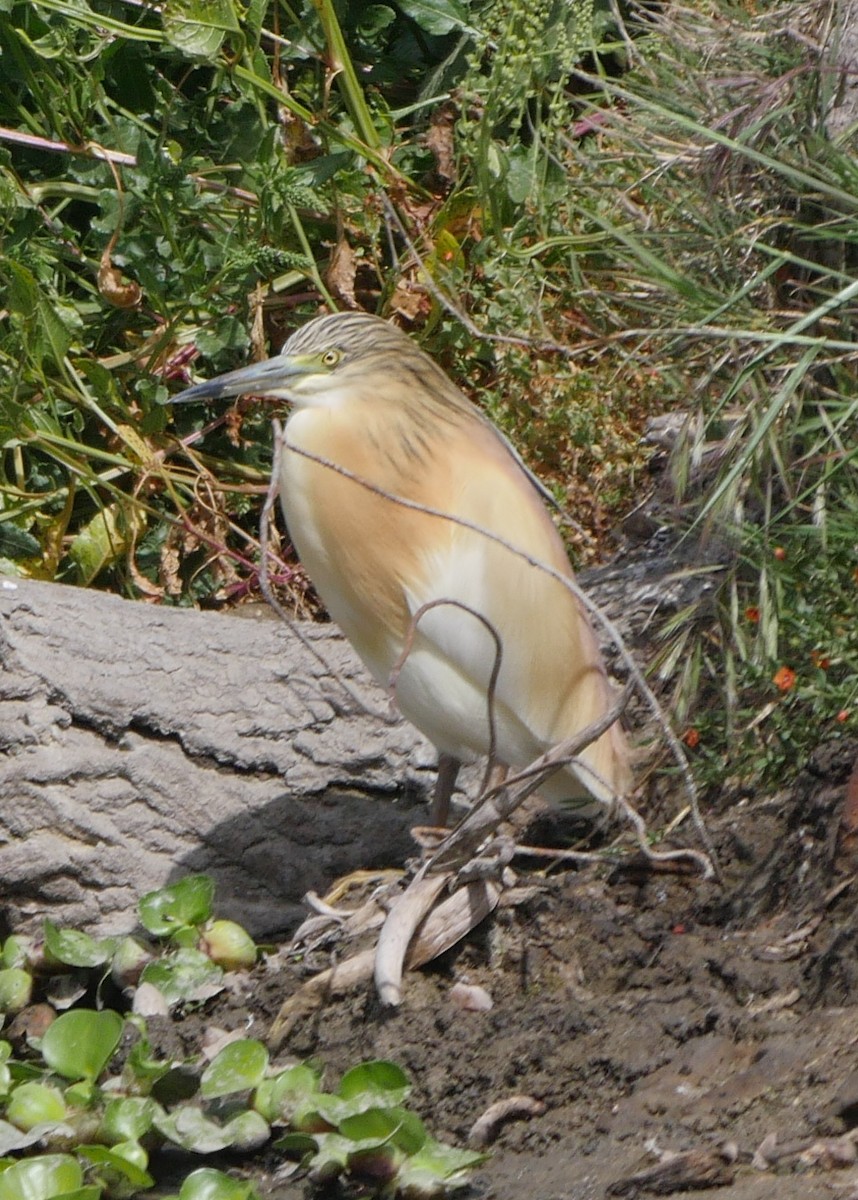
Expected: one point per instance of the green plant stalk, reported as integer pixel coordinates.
(83, 16)
(347, 80)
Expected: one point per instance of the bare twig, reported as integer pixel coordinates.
(485, 1129)
(396, 933)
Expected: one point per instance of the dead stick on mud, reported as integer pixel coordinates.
(485, 1129)
(408, 911)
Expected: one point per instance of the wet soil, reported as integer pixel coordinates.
(649, 1012)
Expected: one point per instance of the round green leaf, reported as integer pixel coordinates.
(34, 1104)
(128, 1119)
(80, 1044)
(76, 949)
(402, 1128)
(208, 1184)
(247, 1131)
(379, 1078)
(191, 1129)
(229, 945)
(279, 1098)
(118, 1163)
(16, 951)
(186, 976)
(239, 1067)
(188, 902)
(41, 1178)
(16, 988)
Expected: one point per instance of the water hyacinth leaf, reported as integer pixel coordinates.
(380, 1082)
(80, 1044)
(128, 1119)
(188, 902)
(190, 1128)
(280, 1097)
(436, 1167)
(17, 951)
(35, 1104)
(325, 1155)
(117, 1164)
(247, 1131)
(229, 945)
(41, 1178)
(208, 1184)
(16, 988)
(188, 976)
(239, 1067)
(322, 1111)
(75, 948)
(396, 1125)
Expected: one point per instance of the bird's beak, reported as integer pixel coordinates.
(269, 378)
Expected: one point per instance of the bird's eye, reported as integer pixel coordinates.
(330, 358)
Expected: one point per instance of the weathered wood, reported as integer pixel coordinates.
(139, 743)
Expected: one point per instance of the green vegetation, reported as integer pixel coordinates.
(86, 1111)
(586, 222)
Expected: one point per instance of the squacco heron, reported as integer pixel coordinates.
(366, 398)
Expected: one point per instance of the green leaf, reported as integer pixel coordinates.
(396, 1125)
(118, 1163)
(208, 1184)
(199, 27)
(129, 1118)
(188, 902)
(381, 1082)
(77, 949)
(186, 976)
(101, 542)
(41, 1178)
(436, 1164)
(280, 1097)
(80, 1044)
(16, 988)
(239, 1067)
(247, 1131)
(33, 1104)
(436, 16)
(17, 543)
(190, 1128)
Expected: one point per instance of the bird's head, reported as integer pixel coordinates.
(325, 362)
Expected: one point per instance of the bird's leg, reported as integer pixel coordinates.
(448, 771)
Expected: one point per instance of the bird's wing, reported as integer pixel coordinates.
(551, 681)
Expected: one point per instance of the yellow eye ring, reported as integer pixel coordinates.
(330, 358)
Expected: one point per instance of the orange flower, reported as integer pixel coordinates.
(843, 715)
(752, 613)
(784, 678)
(691, 737)
(820, 660)
(779, 553)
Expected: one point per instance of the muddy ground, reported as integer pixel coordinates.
(649, 1012)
